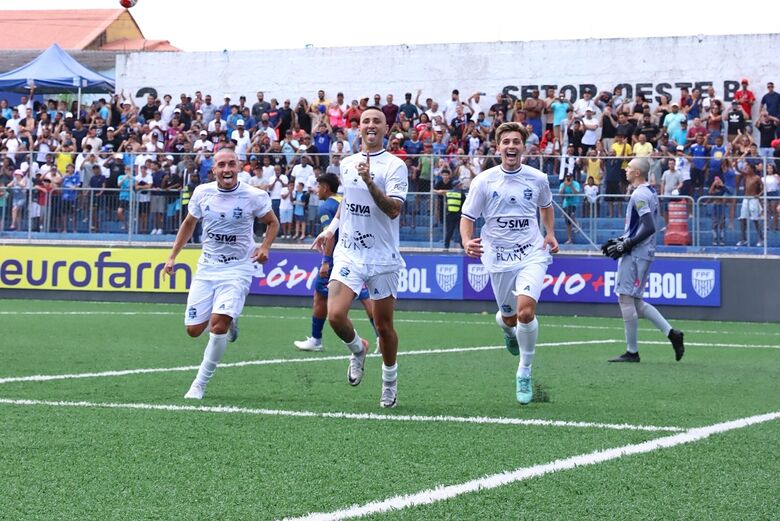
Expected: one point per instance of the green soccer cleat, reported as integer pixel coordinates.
(525, 390)
(233, 331)
(509, 340)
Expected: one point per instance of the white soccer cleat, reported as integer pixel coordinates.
(310, 344)
(389, 394)
(196, 392)
(356, 364)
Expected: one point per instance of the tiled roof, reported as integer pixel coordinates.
(38, 29)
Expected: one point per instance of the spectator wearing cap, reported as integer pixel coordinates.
(264, 128)
(114, 138)
(746, 100)
(673, 120)
(591, 124)
(18, 188)
(250, 123)
(92, 140)
(225, 108)
(203, 142)
(241, 137)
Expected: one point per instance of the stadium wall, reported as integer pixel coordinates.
(652, 66)
(706, 288)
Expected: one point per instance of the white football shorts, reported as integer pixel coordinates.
(221, 297)
(751, 209)
(381, 284)
(525, 280)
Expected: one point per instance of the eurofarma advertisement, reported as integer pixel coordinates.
(673, 282)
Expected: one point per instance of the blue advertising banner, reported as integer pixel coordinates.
(675, 282)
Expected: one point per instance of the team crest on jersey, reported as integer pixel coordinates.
(703, 282)
(446, 276)
(528, 193)
(478, 277)
(238, 213)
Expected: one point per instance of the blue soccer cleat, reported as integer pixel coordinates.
(510, 341)
(525, 390)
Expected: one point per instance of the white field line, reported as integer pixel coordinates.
(273, 361)
(399, 320)
(442, 493)
(479, 420)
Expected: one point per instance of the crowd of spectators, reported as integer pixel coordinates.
(158, 152)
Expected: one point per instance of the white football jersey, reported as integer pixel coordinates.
(228, 218)
(508, 202)
(367, 235)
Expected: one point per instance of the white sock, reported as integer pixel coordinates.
(389, 374)
(508, 330)
(356, 346)
(211, 357)
(526, 335)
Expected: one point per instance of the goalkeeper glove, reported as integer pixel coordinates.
(620, 247)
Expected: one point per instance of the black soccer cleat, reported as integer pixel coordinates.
(626, 357)
(676, 337)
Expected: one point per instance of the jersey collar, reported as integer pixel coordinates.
(514, 172)
(374, 154)
(229, 191)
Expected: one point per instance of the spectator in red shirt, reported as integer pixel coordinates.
(746, 99)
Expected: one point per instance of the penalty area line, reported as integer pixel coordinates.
(220, 409)
(442, 493)
(276, 361)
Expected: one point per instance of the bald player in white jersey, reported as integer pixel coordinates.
(228, 209)
(368, 251)
(636, 251)
(511, 246)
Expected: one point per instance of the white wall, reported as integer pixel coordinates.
(653, 64)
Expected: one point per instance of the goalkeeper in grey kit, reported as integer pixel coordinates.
(635, 251)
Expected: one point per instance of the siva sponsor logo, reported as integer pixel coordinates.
(222, 237)
(361, 210)
(446, 276)
(512, 224)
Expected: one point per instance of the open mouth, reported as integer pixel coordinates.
(512, 154)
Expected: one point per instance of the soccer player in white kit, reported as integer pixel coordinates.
(228, 209)
(368, 251)
(636, 251)
(511, 246)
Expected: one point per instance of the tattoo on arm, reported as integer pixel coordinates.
(389, 205)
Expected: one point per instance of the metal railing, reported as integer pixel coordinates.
(122, 215)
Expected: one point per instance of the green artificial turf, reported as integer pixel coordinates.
(60, 462)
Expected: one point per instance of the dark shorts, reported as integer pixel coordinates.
(613, 188)
(143, 207)
(68, 205)
(697, 177)
(423, 185)
(123, 203)
(685, 189)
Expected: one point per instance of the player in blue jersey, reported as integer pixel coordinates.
(636, 251)
(327, 188)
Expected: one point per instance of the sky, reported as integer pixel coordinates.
(209, 25)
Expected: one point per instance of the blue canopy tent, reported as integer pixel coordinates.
(55, 72)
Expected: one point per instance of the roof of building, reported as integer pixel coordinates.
(138, 44)
(72, 29)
